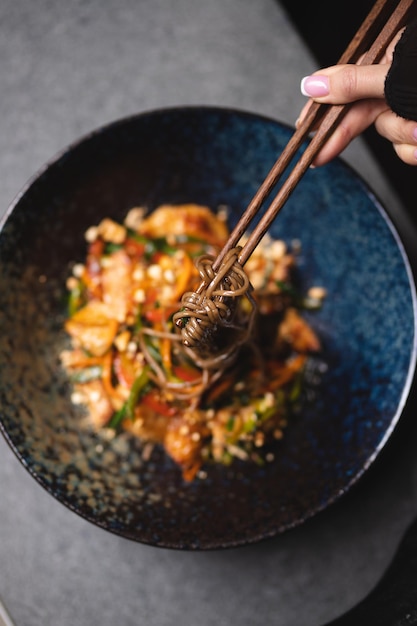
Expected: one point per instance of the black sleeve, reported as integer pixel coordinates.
(401, 80)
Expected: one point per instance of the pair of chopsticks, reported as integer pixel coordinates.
(367, 47)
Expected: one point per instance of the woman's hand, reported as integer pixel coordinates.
(364, 86)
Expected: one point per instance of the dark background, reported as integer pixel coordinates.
(327, 26)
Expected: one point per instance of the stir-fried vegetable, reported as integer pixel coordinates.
(126, 361)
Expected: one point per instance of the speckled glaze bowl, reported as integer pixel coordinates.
(359, 383)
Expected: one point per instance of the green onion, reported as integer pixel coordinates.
(75, 299)
(250, 425)
(289, 289)
(230, 423)
(160, 244)
(270, 412)
(87, 374)
(128, 409)
(112, 247)
(117, 418)
(137, 389)
(296, 389)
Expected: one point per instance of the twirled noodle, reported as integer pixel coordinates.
(216, 307)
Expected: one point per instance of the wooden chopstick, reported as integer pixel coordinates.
(366, 48)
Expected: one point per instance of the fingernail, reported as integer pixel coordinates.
(315, 86)
(415, 133)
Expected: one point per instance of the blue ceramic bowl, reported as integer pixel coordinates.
(359, 383)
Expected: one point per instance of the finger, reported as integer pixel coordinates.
(396, 129)
(361, 115)
(407, 153)
(345, 83)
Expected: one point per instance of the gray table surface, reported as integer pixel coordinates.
(66, 68)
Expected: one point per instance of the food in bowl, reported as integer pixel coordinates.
(127, 361)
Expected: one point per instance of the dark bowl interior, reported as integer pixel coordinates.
(367, 326)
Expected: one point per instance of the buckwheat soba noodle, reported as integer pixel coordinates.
(214, 308)
(209, 364)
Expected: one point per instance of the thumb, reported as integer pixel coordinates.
(345, 83)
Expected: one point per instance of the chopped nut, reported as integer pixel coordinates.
(78, 270)
(131, 347)
(317, 293)
(154, 272)
(277, 250)
(91, 234)
(71, 283)
(121, 341)
(77, 397)
(112, 231)
(169, 276)
(139, 296)
(138, 273)
(135, 217)
(259, 439)
(223, 212)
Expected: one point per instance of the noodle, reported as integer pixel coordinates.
(213, 308)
